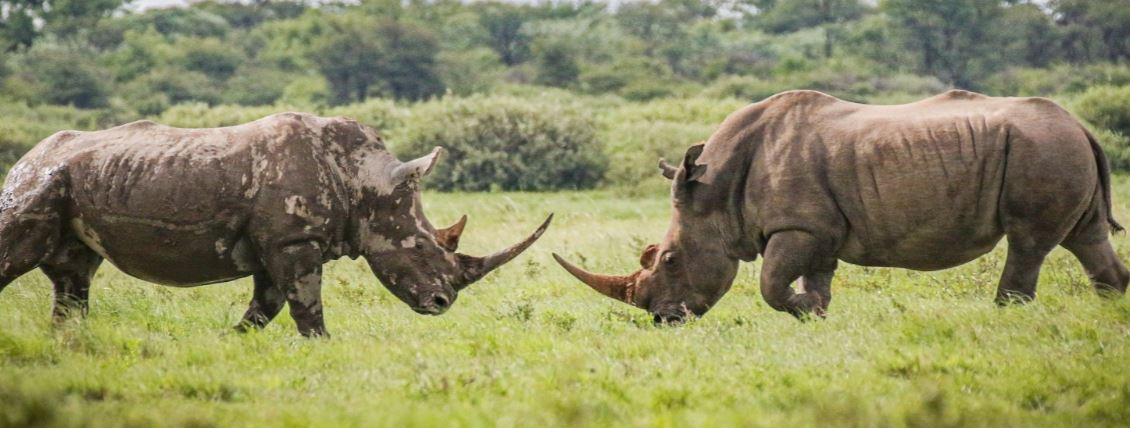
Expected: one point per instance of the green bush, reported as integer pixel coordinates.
(178, 86)
(637, 135)
(505, 143)
(307, 90)
(199, 115)
(1106, 107)
(1117, 148)
(254, 85)
(634, 149)
(24, 126)
(747, 88)
(1056, 80)
(212, 57)
(382, 114)
(65, 77)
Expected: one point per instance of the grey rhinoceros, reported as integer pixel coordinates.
(804, 179)
(274, 199)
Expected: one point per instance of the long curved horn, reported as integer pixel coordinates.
(475, 268)
(448, 238)
(619, 287)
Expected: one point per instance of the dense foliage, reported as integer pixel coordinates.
(383, 60)
(506, 143)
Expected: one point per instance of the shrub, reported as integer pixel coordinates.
(307, 90)
(255, 85)
(178, 86)
(64, 77)
(1117, 148)
(209, 56)
(637, 135)
(199, 115)
(634, 148)
(24, 126)
(1106, 107)
(1056, 80)
(505, 143)
(747, 88)
(379, 113)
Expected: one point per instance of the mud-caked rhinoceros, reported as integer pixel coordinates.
(274, 199)
(804, 179)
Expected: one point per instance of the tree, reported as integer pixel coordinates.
(64, 18)
(786, 16)
(956, 39)
(663, 28)
(347, 56)
(1030, 36)
(61, 76)
(1094, 29)
(409, 67)
(557, 65)
(357, 56)
(503, 23)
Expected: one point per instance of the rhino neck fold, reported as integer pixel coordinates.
(729, 176)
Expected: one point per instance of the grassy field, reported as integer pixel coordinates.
(529, 346)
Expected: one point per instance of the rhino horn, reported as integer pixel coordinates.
(475, 268)
(619, 287)
(448, 238)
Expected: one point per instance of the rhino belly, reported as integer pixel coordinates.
(170, 254)
(928, 250)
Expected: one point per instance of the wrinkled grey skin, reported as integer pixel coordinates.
(274, 199)
(804, 180)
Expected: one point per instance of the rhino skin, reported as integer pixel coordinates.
(274, 199)
(804, 180)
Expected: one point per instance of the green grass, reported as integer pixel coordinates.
(529, 346)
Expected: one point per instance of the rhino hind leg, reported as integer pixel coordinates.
(30, 228)
(1108, 274)
(266, 302)
(1021, 272)
(791, 255)
(70, 270)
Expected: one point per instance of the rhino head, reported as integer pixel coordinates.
(686, 273)
(415, 261)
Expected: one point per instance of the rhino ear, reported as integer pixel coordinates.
(667, 169)
(416, 168)
(647, 259)
(688, 173)
(694, 172)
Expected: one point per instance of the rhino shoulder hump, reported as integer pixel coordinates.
(802, 96)
(351, 134)
(961, 94)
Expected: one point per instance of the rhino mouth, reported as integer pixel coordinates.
(431, 310)
(436, 304)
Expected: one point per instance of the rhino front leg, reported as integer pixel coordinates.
(820, 284)
(297, 269)
(266, 301)
(70, 271)
(788, 256)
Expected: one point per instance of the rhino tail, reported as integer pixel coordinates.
(1104, 179)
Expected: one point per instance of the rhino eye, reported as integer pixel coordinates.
(668, 258)
(419, 245)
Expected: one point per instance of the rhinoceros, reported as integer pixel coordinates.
(804, 180)
(273, 199)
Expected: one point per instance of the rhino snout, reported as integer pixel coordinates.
(434, 304)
